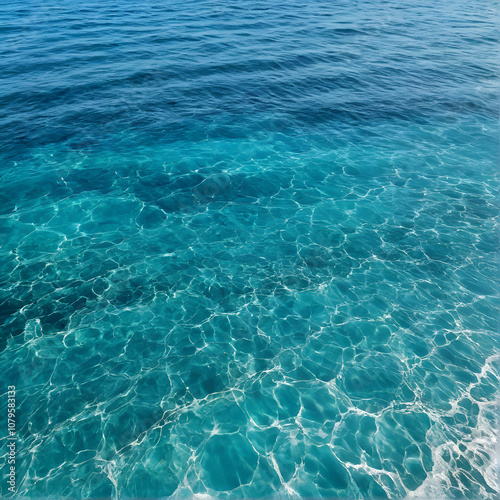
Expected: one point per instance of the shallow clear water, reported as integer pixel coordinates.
(248, 249)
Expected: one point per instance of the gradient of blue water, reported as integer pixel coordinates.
(248, 249)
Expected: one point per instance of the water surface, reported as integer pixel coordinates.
(248, 249)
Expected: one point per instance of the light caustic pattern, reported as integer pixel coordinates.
(262, 269)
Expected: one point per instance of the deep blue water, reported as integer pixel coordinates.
(248, 249)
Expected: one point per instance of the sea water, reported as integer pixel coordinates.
(248, 249)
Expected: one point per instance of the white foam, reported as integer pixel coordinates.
(484, 439)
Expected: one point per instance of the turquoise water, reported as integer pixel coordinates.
(248, 249)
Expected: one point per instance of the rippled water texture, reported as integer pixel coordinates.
(248, 249)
